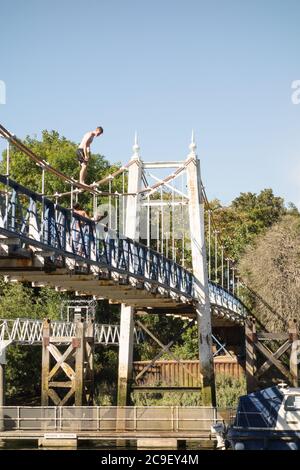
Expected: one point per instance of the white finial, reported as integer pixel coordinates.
(193, 145)
(136, 147)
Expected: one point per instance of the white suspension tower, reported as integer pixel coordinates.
(199, 263)
(127, 321)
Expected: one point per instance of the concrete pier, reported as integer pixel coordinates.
(158, 443)
(57, 440)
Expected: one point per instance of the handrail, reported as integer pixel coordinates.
(171, 419)
(30, 331)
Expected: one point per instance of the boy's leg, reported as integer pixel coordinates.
(83, 171)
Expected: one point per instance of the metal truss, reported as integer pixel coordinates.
(27, 331)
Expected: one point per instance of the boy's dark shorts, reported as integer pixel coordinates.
(80, 155)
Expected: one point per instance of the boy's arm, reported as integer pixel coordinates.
(86, 147)
(86, 151)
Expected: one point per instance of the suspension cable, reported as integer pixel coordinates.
(44, 164)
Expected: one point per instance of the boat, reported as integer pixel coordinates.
(268, 419)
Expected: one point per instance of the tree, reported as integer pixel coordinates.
(21, 301)
(248, 216)
(24, 362)
(271, 268)
(261, 210)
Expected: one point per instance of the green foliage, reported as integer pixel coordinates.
(166, 399)
(229, 389)
(188, 348)
(106, 375)
(23, 374)
(23, 367)
(19, 301)
(270, 268)
(249, 215)
(164, 328)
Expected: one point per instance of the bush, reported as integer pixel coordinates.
(166, 398)
(229, 389)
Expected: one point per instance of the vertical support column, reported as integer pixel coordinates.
(125, 354)
(2, 387)
(2, 372)
(34, 232)
(196, 220)
(293, 332)
(79, 359)
(2, 382)
(45, 363)
(250, 338)
(126, 320)
(89, 358)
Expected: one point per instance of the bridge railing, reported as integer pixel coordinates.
(111, 418)
(225, 299)
(30, 331)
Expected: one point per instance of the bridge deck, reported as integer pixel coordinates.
(116, 288)
(145, 296)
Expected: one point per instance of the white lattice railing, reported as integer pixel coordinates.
(29, 331)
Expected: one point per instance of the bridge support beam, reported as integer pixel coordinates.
(127, 313)
(251, 361)
(2, 382)
(196, 220)
(125, 354)
(72, 357)
(2, 393)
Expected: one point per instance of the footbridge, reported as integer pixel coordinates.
(62, 249)
(150, 256)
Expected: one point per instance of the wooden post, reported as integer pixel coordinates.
(2, 388)
(2, 376)
(293, 333)
(89, 358)
(250, 338)
(45, 362)
(78, 342)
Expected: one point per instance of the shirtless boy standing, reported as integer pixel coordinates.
(83, 152)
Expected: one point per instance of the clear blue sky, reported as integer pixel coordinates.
(163, 67)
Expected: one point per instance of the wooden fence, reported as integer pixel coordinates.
(185, 373)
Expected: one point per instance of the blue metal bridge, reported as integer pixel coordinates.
(47, 244)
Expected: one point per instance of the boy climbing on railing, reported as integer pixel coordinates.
(81, 229)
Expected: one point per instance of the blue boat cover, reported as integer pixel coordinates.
(259, 409)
